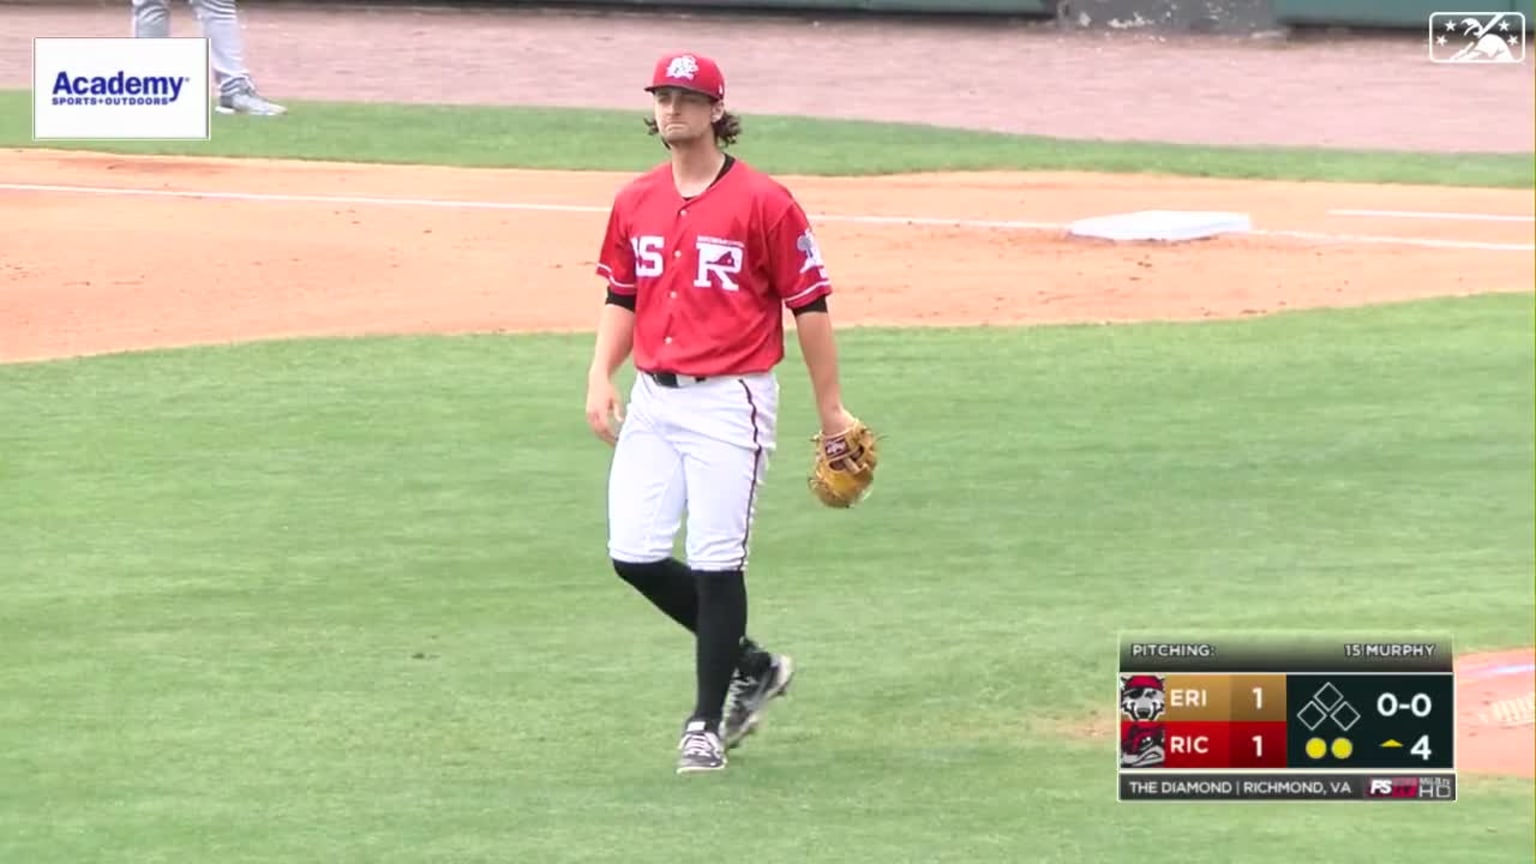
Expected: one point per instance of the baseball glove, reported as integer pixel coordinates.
(844, 466)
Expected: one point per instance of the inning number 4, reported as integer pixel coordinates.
(1420, 748)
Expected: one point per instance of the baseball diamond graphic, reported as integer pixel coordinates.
(1328, 704)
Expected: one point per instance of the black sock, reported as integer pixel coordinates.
(668, 584)
(721, 634)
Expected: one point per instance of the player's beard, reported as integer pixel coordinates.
(685, 136)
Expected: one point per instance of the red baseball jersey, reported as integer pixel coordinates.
(711, 275)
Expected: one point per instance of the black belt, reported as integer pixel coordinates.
(672, 379)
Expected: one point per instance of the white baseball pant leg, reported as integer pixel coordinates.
(220, 22)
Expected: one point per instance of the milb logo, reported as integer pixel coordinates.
(119, 89)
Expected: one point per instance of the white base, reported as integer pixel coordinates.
(1170, 225)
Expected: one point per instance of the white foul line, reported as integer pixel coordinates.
(314, 199)
(1427, 214)
(1422, 242)
(487, 205)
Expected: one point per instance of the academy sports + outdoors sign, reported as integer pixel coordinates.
(120, 89)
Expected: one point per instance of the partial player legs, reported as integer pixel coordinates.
(226, 44)
(717, 647)
(718, 642)
(668, 584)
(704, 451)
(674, 589)
(151, 19)
(735, 679)
(226, 48)
(726, 451)
(646, 490)
(756, 676)
(760, 678)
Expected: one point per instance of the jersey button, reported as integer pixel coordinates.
(668, 340)
(672, 294)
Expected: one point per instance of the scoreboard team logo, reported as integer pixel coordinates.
(1143, 700)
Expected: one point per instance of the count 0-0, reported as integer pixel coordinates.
(1387, 705)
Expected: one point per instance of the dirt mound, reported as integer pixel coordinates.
(1496, 713)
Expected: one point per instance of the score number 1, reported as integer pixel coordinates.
(1258, 705)
(1419, 705)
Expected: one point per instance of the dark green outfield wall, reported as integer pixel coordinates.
(1019, 8)
(1408, 14)
(1206, 15)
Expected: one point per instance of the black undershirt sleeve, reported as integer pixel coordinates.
(817, 305)
(627, 301)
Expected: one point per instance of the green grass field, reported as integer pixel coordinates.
(585, 139)
(348, 601)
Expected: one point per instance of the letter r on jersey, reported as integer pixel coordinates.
(720, 261)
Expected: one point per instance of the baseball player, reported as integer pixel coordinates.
(221, 24)
(702, 255)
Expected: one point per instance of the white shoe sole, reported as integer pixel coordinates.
(220, 109)
(700, 770)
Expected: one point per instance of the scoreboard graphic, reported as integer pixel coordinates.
(1255, 717)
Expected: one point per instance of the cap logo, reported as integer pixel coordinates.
(682, 67)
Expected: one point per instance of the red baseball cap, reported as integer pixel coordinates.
(689, 72)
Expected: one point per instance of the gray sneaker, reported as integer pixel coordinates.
(245, 100)
(699, 749)
(749, 695)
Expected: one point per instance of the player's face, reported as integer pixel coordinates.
(683, 116)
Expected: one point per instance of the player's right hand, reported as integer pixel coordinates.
(604, 410)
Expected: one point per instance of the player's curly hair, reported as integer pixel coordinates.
(727, 129)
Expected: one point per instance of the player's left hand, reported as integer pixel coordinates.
(844, 465)
(836, 421)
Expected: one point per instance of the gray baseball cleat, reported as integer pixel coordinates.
(749, 695)
(245, 100)
(699, 749)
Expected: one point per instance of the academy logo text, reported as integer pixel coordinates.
(118, 89)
